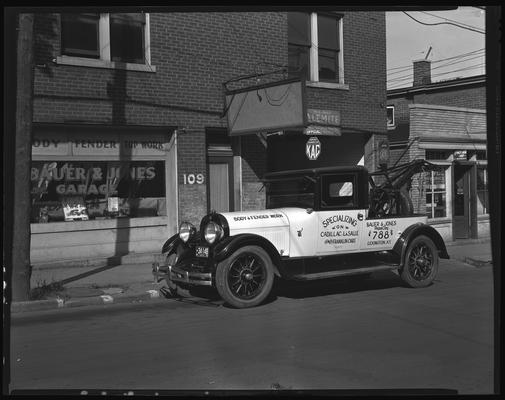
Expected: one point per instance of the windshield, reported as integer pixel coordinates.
(291, 192)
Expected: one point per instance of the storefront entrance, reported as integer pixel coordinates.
(220, 183)
(462, 210)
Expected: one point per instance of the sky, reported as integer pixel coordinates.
(408, 40)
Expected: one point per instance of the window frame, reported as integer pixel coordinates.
(484, 167)
(391, 125)
(327, 202)
(313, 66)
(105, 60)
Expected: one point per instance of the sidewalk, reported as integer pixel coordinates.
(133, 283)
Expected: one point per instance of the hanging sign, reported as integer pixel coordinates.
(323, 122)
(383, 152)
(313, 148)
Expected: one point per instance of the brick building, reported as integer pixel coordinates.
(444, 123)
(129, 133)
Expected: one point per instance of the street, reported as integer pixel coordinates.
(333, 334)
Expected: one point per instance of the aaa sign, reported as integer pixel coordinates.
(313, 148)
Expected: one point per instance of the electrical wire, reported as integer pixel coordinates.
(442, 23)
(400, 84)
(437, 61)
(410, 75)
(451, 20)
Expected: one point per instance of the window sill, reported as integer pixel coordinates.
(117, 223)
(439, 220)
(327, 85)
(94, 63)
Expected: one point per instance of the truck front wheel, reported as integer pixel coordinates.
(420, 264)
(245, 278)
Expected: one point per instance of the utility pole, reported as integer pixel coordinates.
(21, 268)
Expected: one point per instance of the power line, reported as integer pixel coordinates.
(451, 20)
(442, 59)
(442, 23)
(404, 77)
(400, 84)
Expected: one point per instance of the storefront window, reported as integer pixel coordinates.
(482, 191)
(434, 184)
(88, 190)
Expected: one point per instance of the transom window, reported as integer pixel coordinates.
(314, 46)
(118, 37)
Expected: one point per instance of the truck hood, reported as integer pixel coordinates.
(253, 221)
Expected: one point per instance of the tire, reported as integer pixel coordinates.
(175, 289)
(420, 263)
(245, 278)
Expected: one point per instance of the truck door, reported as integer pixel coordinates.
(339, 220)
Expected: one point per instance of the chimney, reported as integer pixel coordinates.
(422, 72)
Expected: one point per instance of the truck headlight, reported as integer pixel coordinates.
(186, 230)
(212, 232)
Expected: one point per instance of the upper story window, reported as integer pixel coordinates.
(315, 45)
(390, 116)
(108, 37)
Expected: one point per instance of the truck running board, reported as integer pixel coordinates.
(345, 272)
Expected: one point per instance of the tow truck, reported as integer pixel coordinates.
(318, 223)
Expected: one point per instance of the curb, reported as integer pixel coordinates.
(477, 263)
(464, 242)
(52, 304)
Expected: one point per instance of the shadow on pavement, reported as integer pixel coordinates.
(357, 283)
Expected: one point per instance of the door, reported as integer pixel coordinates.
(461, 195)
(220, 186)
(339, 221)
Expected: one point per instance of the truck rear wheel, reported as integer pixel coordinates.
(245, 278)
(420, 263)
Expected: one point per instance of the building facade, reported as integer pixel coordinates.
(444, 123)
(130, 135)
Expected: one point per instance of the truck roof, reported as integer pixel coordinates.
(314, 171)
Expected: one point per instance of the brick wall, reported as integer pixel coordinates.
(363, 105)
(468, 96)
(426, 120)
(193, 53)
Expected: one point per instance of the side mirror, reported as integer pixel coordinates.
(310, 210)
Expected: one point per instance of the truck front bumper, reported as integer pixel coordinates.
(178, 275)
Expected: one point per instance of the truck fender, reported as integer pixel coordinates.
(229, 245)
(415, 230)
(171, 244)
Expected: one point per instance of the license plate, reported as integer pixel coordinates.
(202, 251)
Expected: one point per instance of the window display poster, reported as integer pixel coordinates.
(74, 208)
(107, 188)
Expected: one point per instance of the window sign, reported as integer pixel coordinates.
(460, 155)
(74, 208)
(108, 189)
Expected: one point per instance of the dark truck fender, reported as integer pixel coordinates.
(230, 244)
(415, 230)
(171, 244)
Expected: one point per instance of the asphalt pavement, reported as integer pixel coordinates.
(133, 283)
